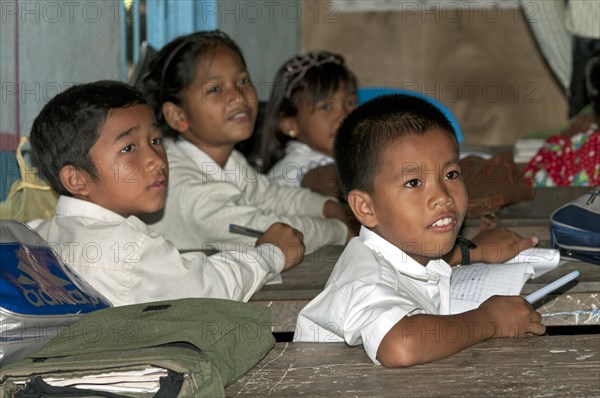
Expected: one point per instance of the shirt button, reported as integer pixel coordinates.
(433, 277)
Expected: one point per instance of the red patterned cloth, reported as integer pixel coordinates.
(566, 161)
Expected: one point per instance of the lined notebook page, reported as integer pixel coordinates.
(473, 284)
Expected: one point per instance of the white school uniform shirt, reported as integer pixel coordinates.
(203, 199)
(583, 18)
(372, 287)
(129, 263)
(299, 159)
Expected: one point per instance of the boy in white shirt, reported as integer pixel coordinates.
(398, 161)
(100, 147)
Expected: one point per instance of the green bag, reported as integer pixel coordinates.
(30, 197)
(198, 345)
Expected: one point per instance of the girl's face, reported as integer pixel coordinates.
(316, 123)
(221, 102)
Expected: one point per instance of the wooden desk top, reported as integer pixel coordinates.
(546, 200)
(531, 217)
(548, 366)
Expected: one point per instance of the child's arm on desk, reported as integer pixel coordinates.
(411, 340)
(495, 245)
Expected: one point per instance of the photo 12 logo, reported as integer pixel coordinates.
(38, 92)
(269, 11)
(70, 12)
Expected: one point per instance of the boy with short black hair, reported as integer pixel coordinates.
(101, 149)
(398, 161)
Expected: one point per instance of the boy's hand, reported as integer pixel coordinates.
(511, 316)
(288, 239)
(499, 245)
(342, 211)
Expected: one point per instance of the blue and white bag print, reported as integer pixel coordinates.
(39, 294)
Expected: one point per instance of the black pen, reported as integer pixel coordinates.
(238, 229)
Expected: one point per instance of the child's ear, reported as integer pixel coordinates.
(288, 126)
(175, 117)
(75, 180)
(362, 206)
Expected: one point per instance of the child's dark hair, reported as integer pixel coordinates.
(317, 75)
(69, 124)
(371, 127)
(174, 69)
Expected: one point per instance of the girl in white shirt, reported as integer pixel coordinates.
(311, 95)
(202, 94)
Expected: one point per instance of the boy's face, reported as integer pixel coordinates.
(221, 103)
(419, 199)
(131, 163)
(316, 123)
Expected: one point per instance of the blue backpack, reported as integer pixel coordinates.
(40, 295)
(575, 228)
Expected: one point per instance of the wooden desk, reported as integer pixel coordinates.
(576, 304)
(531, 217)
(548, 366)
(300, 285)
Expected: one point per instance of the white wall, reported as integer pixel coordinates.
(47, 46)
(268, 33)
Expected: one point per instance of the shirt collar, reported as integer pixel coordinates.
(297, 147)
(402, 261)
(68, 206)
(198, 155)
(204, 161)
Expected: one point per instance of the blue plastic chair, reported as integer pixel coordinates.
(367, 93)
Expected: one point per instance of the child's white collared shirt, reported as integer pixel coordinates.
(129, 263)
(372, 287)
(298, 160)
(204, 198)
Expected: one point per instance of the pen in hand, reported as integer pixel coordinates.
(238, 229)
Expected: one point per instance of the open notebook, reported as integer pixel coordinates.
(473, 284)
